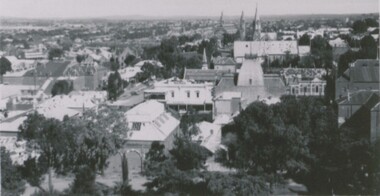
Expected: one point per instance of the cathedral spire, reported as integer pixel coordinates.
(242, 27)
(204, 61)
(256, 26)
(221, 22)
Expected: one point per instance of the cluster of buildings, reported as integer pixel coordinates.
(358, 97)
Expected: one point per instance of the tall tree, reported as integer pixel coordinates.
(304, 40)
(11, 180)
(45, 136)
(115, 86)
(5, 65)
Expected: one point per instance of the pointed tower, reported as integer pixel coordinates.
(204, 60)
(256, 26)
(242, 27)
(221, 22)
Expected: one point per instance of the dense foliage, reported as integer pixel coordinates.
(115, 86)
(55, 53)
(299, 138)
(11, 181)
(74, 145)
(5, 65)
(62, 87)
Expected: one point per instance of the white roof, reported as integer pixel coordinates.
(13, 125)
(241, 48)
(129, 72)
(57, 112)
(12, 59)
(157, 130)
(229, 95)
(210, 135)
(13, 90)
(223, 119)
(153, 62)
(145, 112)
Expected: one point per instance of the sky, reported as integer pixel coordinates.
(101, 8)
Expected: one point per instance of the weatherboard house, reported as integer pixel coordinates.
(147, 122)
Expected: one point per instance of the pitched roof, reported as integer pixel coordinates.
(251, 73)
(145, 112)
(203, 74)
(260, 48)
(210, 135)
(360, 97)
(365, 70)
(223, 61)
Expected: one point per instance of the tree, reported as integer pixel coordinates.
(11, 180)
(368, 47)
(45, 136)
(114, 66)
(80, 58)
(91, 140)
(154, 157)
(370, 22)
(115, 86)
(188, 155)
(129, 59)
(304, 40)
(5, 65)
(62, 87)
(359, 26)
(55, 53)
(84, 182)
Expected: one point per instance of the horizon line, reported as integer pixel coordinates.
(175, 16)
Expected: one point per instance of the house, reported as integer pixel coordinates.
(270, 49)
(224, 63)
(150, 121)
(180, 94)
(73, 104)
(363, 74)
(204, 75)
(360, 111)
(209, 136)
(227, 103)
(304, 81)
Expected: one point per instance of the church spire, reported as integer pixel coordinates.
(242, 27)
(221, 22)
(204, 61)
(256, 26)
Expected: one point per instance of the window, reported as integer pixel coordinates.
(197, 92)
(172, 93)
(316, 89)
(188, 94)
(136, 126)
(250, 81)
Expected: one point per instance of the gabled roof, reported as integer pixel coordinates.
(210, 135)
(145, 112)
(223, 61)
(203, 74)
(365, 70)
(361, 98)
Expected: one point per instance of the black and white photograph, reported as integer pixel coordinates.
(189, 97)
